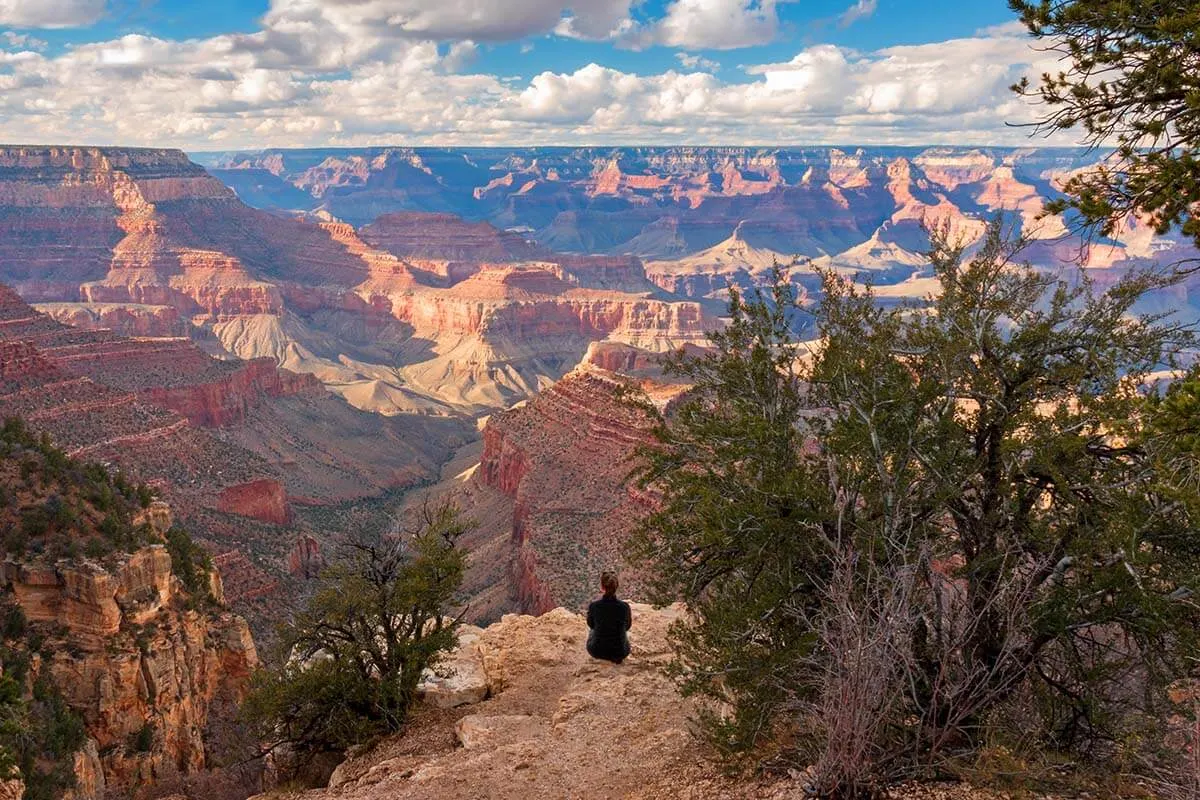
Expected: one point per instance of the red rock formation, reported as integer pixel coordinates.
(228, 400)
(149, 226)
(952, 168)
(264, 500)
(552, 495)
(660, 202)
(315, 297)
(22, 363)
(59, 209)
(244, 581)
(305, 559)
(130, 319)
(503, 464)
(446, 237)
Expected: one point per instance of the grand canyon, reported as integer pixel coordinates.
(287, 336)
(640, 399)
(289, 345)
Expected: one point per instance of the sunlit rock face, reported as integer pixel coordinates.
(136, 655)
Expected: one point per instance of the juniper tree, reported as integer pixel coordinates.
(1130, 80)
(350, 662)
(940, 514)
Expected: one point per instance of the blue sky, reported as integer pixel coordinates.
(230, 73)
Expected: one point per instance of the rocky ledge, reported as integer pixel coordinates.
(520, 712)
(535, 716)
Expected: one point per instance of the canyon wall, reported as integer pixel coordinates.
(551, 492)
(704, 218)
(413, 314)
(231, 443)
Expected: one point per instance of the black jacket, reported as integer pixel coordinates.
(609, 619)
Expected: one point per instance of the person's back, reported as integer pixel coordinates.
(609, 620)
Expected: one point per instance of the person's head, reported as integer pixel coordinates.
(609, 583)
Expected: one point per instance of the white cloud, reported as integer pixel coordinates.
(310, 81)
(447, 20)
(711, 25)
(50, 13)
(23, 41)
(598, 19)
(693, 61)
(862, 9)
(1011, 28)
(460, 56)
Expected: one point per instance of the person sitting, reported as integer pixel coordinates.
(609, 620)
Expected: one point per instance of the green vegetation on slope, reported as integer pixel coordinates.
(54, 506)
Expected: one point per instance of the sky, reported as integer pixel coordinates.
(240, 74)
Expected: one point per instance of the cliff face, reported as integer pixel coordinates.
(126, 320)
(445, 237)
(263, 499)
(508, 330)
(551, 493)
(61, 209)
(228, 400)
(128, 654)
(565, 460)
(94, 393)
(99, 618)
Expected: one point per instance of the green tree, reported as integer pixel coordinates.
(729, 535)
(353, 658)
(943, 514)
(190, 562)
(1131, 80)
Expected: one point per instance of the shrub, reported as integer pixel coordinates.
(35, 522)
(142, 740)
(352, 659)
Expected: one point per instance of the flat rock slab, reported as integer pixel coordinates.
(479, 730)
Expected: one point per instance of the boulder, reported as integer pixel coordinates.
(460, 679)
